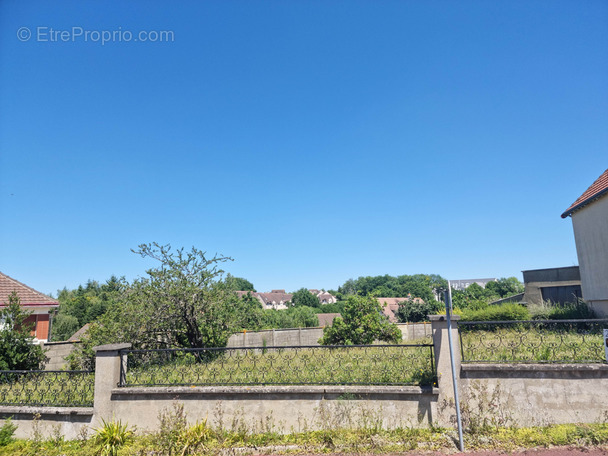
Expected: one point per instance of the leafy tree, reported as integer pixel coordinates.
(303, 297)
(336, 307)
(424, 286)
(238, 283)
(293, 317)
(64, 325)
(182, 303)
(415, 311)
(250, 313)
(17, 352)
(362, 322)
(84, 305)
(504, 287)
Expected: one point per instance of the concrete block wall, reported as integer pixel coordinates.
(56, 353)
(311, 336)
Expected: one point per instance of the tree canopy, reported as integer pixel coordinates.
(84, 305)
(423, 286)
(181, 303)
(238, 283)
(362, 322)
(303, 297)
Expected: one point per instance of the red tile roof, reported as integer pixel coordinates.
(598, 189)
(28, 296)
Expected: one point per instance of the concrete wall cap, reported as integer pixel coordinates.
(538, 367)
(277, 389)
(443, 317)
(111, 347)
(45, 411)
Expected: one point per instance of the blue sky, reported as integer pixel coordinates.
(312, 141)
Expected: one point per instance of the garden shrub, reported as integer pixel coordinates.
(413, 312)
(567, 311)
(7, 431)
(508, 311)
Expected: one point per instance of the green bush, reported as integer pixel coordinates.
(413, 312)
(555, 311)
(508, 311)
(7, 431)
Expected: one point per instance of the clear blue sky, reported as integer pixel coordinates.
(312, 141)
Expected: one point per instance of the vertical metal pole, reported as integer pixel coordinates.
(448, 314)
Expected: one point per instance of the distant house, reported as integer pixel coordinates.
(463, 284)
(590, 223)
(390, 306)
(324, 297)
(37, 304)
(279, 299)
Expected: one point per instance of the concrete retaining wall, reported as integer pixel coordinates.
(537, 394)
(505, 394)
(310, 336)
(281, 408)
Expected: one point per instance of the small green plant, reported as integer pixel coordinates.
(171, 425)
(7, 431)
(111, 436)
(193, 438)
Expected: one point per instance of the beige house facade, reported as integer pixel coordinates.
(589, 215)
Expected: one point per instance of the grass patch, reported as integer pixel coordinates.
(522, 343)
(368, 365)
(47, 388)
(338, 441)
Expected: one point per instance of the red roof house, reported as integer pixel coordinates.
(589, 215)
(37, 304)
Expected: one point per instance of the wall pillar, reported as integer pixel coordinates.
(443, 365)
(107, 376)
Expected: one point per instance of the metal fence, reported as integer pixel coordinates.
(533, 341)
(47, 388)
(294, 365)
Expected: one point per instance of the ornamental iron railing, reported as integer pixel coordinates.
(293, 365)
(47, 388)
(533, 341)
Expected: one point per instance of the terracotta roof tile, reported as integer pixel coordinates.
(28, 296)
(326, 319)
(598, 189)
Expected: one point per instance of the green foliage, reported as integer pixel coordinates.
(238, 283)
(176, 437)
(413, 311)
(421, 286)
(181, 303)
(508, 311)
(336, 307)
(476, 297)
(17, 352)
(84, 305)
(504, 287)
(64, 325)
(362, 322)
(303, 297)
(293, 317)
(7, 431)
(111, 436)
(566, 311)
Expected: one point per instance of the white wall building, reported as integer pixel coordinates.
(590, 223)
